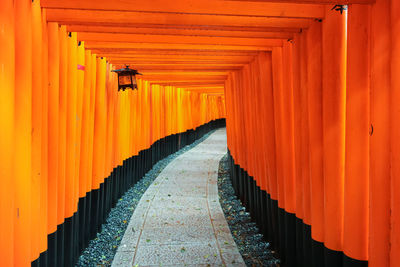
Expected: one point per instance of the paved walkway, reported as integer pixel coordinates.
(179, 221)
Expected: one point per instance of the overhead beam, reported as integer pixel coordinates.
(167, 39)
(185, 72)
(183, 68)
(315, 2)
(227, 32)
(177, 46)
(146, 57)
(184, 84)
(99, 17)
(171, 52)
(253, 8)
(177, 78)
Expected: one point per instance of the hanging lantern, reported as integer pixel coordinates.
(126, 78)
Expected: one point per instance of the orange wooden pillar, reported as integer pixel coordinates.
(7, 100)
(37, 73)
(53, 130)
(395, 135)
(278, 119)
(270, 153)
(380, 173)
(84, 175)
(44, 142)
(62, 126)
(79, 184)
(70, 178)
(314, 99)
(99, 126)
(92, 74)
(71, 126)
(110, 119)
(23, 129)
(356, 185)
(298, 156)
(297, 147)
(334, 108)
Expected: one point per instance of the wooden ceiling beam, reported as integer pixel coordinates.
(172, 52)
(253, 8)
(178, 77)
(313, 2)
(283, 33)
(177, 46)
(167, 39)
(186, 72)
(100, 17)
(177, 62)
(191, 83)
(147, 57)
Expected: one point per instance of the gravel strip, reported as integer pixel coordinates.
(102, 249)
(251, 244)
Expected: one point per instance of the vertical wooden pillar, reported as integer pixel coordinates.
(62, 125)
(80, 186)
(70, 200)
(99, 126)
(314, 77)
(23, 129)
(53, 124)
(355, 231)
(45, 79)
(379, 204)
(7, 81)
(395, 135)
(333, 114)
(36, 131)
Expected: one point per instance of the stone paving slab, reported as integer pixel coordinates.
(179, 221)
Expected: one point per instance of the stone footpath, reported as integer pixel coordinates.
(179, 220)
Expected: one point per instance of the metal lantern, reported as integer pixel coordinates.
(126, 78)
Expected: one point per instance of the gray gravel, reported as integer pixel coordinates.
(102, 249)
(251, 244)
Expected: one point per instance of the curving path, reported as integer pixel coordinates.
(179, 221)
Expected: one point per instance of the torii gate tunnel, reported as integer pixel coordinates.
(308, 91)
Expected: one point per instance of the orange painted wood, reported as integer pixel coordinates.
(70, 179)
(333, 114)
(100, 118)
(314, 81)
(304, 131)
(92, 72)
(194, 30)
(288, 129)
(100, 45)
(259, 8)
(380, 171)
(84, 173)
(151, 38)
(131, 18)
(395, 181)
(22, 132)
(62, 126)
(7, 102)
(45, 132)
(356, 182)
(81, 192)
(277, 70)
(297, 125)
(37, 114)
(53, 123)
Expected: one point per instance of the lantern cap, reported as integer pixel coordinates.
(127, 70)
